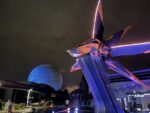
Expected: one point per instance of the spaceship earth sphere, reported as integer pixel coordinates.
(46, 74)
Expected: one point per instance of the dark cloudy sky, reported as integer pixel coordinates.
(34, 32)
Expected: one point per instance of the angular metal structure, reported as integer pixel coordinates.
(97, 79)
(93, 57)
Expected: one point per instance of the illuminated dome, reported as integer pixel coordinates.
(45, 74)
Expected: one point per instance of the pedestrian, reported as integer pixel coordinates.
(8, 106)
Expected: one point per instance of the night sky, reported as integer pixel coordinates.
(34, 32)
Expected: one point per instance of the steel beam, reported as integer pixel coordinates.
(94, 70)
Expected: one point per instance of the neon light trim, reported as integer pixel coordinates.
(130, 45)
(95, 15)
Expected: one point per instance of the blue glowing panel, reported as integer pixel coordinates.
(45, 74)
(130, 49)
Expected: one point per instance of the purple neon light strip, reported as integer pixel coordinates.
(134, 72)
(130, 49)
(127, 45)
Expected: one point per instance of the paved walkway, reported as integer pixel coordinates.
(27, 110)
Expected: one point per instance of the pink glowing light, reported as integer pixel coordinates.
(144, 43)
(148, 51)
(97, 7)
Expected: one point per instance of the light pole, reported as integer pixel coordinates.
(28, 96)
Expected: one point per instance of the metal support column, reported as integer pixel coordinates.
(95, 73)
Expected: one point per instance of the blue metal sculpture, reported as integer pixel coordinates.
(93, 58)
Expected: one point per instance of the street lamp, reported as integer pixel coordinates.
(28, 96)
